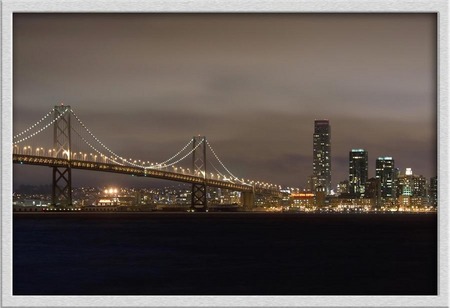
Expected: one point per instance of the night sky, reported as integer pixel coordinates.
(253, 84)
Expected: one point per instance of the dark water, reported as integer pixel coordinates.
(224, 254)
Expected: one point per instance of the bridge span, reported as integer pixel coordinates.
(130, 170)
(70, 136)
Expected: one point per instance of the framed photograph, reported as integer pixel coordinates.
(200, 153)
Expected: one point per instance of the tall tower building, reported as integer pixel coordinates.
(385, 171)
(433, 191)
(358, 171)
(322, 154)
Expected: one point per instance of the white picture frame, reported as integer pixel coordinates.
(440, 7)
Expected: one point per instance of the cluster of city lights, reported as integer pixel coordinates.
(111, 191)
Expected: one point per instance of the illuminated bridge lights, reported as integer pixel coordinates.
(97, 166)
(168, 169)
(89, 160)
(136, 171)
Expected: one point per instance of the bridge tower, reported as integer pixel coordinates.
(62, 176)
(198, 193)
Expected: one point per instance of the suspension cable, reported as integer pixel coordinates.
(34, 125)
(218, 159)
(124, 159)
(95, 149)
(96, 139)
(179, 152)
(216, 169)
(42, 129)
(176, 162)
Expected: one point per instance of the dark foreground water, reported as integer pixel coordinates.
(224, 254)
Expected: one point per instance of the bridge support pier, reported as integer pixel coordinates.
(62, 176)
(198, 198)
(62, 186)
(248, 200)
(198, 195)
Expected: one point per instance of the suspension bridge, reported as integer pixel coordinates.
(71, 145)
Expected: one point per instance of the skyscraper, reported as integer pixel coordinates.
(433, 191)
(322, 154)
(385, 171)
(358, 171)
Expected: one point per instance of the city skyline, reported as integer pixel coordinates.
(128, 78)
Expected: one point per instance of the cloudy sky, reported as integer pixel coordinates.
(253, 84)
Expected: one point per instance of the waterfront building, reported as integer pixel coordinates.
(358, 172)
(285, 197)
(373, 191)
(396, 176)
(322, 155)
(342, 188)
(302, 200)
(320, 196)
(412, 189)
(311, 183)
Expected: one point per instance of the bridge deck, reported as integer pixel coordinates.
(136, 171)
